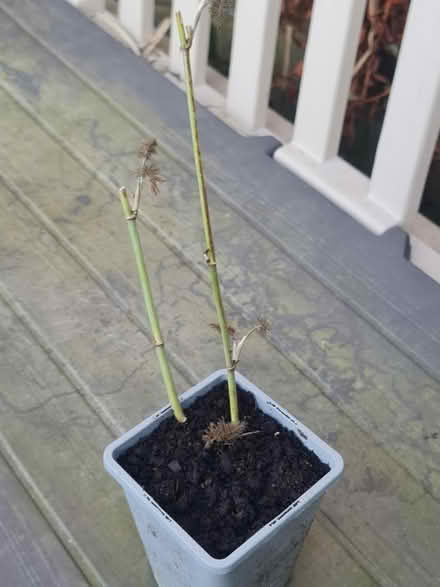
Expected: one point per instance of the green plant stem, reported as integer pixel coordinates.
(185, 43)
(149, 304)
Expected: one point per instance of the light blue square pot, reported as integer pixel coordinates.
(267, 558)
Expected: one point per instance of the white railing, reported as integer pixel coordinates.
(310, 148)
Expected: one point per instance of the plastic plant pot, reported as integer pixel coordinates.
(267, 558)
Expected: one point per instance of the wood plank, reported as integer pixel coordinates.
(103, 135)
(30, 553)
(103, 244)
(350, 361)
(58, 440)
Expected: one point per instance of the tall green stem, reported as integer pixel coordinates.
(151, 310)
(185, 43)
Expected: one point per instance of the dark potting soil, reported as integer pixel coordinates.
(222, 495)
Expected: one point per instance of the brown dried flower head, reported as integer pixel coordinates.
(147, 149)
(148, 170)
(152, 173)
(223, 432)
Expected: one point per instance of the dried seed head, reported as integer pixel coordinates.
(147, 149)
(263, 325)
(225, 432)
(148, 170)
(220, 10)
(152, 173)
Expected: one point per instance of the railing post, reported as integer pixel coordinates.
(256, 25)
(412, 119)
(328, 67)
(199, 50)
(137, 18)
(89, 6)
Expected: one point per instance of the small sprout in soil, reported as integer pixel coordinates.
(223, 432)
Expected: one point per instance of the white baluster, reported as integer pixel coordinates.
(328, 67)
(199, 50)
(254, 39)
(137, 18)
(312, 153)
(412, 119)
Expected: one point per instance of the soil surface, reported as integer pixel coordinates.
(222, 495)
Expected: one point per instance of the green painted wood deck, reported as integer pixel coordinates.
(76, 363)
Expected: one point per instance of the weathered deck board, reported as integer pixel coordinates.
(351, 362)
(370, 273)
(30, 553)
(378, 513)
(55, 434)
(59, 440)
(68, 321)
